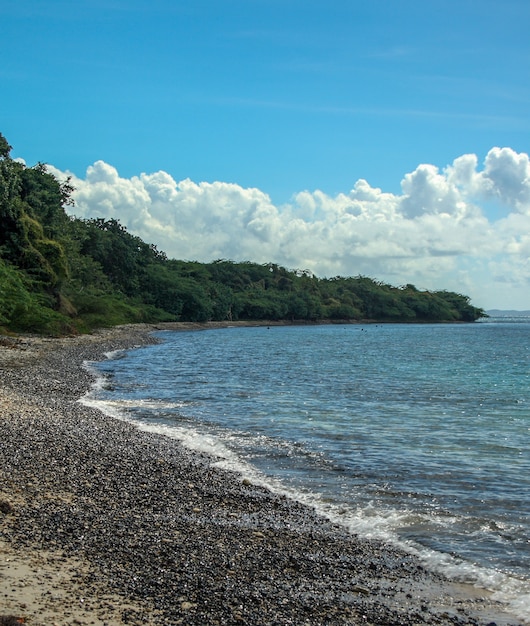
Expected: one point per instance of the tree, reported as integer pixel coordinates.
(5, 148)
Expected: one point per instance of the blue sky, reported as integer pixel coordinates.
(285, 97)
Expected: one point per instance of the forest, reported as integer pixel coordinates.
(63, 275)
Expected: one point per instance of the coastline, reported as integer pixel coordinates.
(103, 524)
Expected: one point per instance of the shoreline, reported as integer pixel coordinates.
(101, 523)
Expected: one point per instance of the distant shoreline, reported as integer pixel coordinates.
(507, 313)
(151, 327)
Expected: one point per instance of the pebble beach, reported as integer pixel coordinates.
(103, 524)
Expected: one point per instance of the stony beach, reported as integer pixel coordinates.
(101, 523)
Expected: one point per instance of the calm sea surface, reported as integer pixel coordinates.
(417, 434)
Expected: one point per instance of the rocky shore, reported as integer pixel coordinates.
(101, 523)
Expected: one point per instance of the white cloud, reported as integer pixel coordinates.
(507, 176)
(435, 234)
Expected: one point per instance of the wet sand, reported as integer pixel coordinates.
(101, 523)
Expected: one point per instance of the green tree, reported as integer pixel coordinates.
(5, 148)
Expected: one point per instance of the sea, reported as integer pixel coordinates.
(415, 434)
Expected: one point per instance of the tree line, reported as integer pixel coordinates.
(60, 274)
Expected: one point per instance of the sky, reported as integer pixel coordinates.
(381, 138)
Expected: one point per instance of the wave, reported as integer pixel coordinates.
(370, 522)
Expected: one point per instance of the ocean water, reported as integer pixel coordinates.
(415, 434)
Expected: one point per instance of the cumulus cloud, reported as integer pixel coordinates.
(507, 176)
(437, 233)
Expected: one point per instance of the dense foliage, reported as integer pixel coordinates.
(60, 274)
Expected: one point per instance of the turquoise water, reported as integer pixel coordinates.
(417, 434)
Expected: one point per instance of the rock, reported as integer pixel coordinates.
(5, 508)
(186, 606)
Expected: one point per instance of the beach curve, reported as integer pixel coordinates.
(104, 524)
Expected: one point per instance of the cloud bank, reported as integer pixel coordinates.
(465, 228)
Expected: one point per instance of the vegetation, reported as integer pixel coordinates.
(60, 274)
